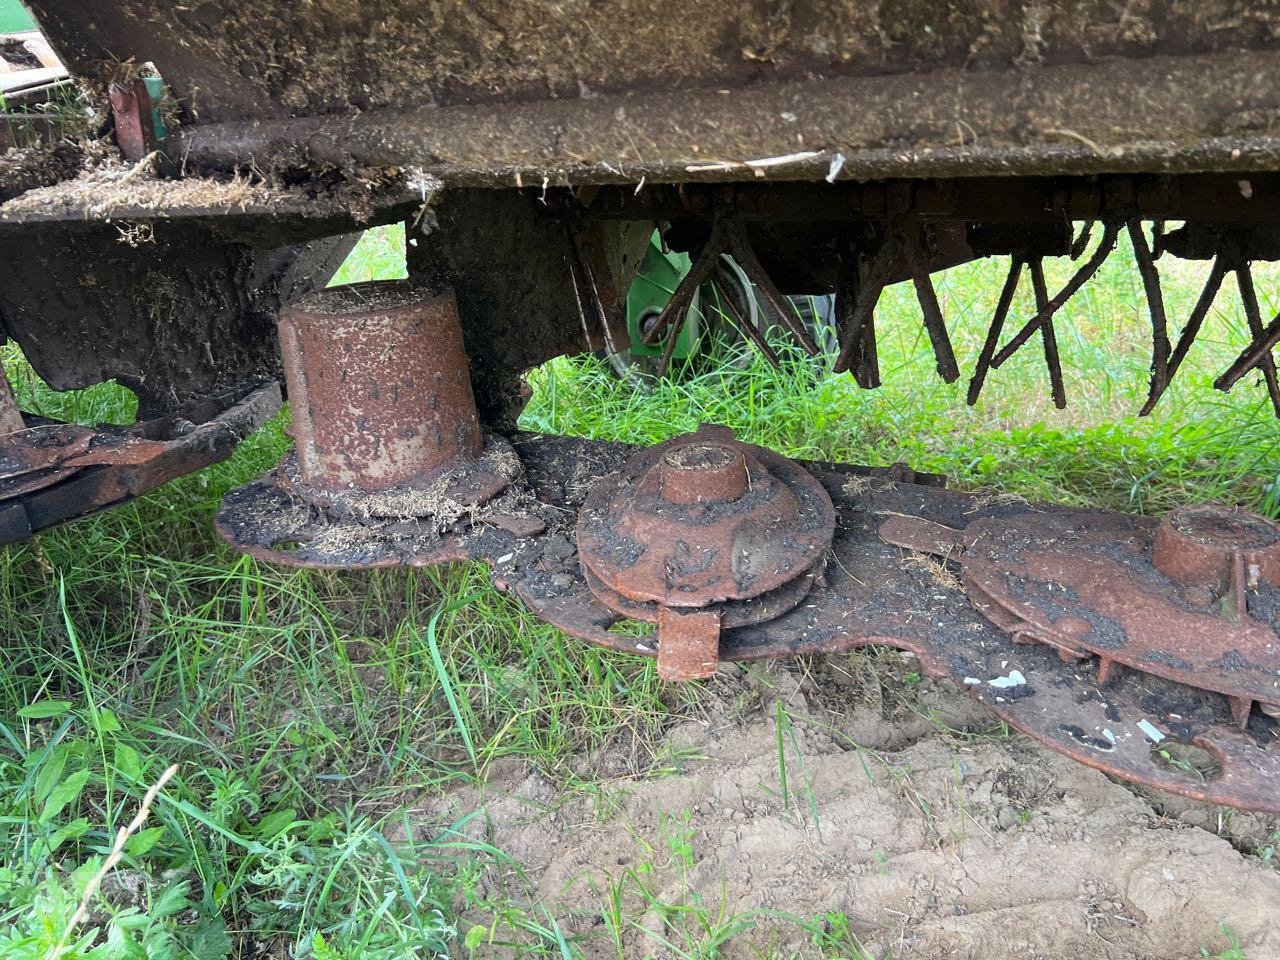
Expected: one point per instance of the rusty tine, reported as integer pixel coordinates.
(682, 296)
(751, 266)
(1051, 359)
(1254, 354)
(864, 356)
(1244, 279)
(993, 333)
(867, 371)
(945, 356)
(1189, 333)
(1155, 307)
(1081, 276)
(667, 351)
(730, 311)
(1081, 243)
(856, 316)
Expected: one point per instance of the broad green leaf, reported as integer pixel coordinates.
(128, 762)
(108, 722)
(44, 709)
(68, 791)
(72, 831)
(140, 843)
(171, 901)
(273, 824)
(50, 773)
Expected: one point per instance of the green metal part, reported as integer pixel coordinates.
(650, 291)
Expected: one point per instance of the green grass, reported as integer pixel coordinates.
(306, 711)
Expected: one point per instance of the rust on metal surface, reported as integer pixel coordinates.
(51, 472)
(131, 108)
(1192, 599)
(874, 594)
(688, 643)
(703, 523)
(379, 385)
(10, 416)
(390, 465)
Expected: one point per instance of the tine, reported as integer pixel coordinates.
(665, 362)
(859, 314)
(1201, 311)
(1244, 279)
(931, 310)
(993, 333)
(863, 358)
(749, 331)
(1253, 355)
(867, 372)
(750, 263)
(1109, 235)
(1050, 336)
(1155, 307)
(682, 296)
(1081, 243)
(1189, 333)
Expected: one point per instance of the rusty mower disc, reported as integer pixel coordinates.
(702, 533)
(1194, 598)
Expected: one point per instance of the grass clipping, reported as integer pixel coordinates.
(112, 186)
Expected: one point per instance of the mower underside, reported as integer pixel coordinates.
(829, 152)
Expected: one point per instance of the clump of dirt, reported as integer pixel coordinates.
(952, 842)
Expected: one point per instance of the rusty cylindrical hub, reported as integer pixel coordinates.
(379, 386)
(1217, 548)
(703, 533)
(390, 461)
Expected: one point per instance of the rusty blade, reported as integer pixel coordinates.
(1085, 583)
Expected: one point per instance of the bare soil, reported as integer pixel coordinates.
(935, 835)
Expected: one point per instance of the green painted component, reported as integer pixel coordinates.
(155, 89)
(650, 291)
(15, 18)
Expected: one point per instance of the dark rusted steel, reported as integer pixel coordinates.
(1160, 348)
(391, 466)
(1254, 354)
(1193, 599)
(53, 473)
(930, 309)
(1109, 234)
(873, 593)
(994, 330)
(379, 386)
(1189, 333)
(10, 415)
(703, 522)
(1253, 316)
(1203, 547)
(727, 235)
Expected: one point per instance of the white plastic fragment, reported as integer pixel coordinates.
(972, 681)
(1014, 679)
(837, 164)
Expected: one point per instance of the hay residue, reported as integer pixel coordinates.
(109, 186)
